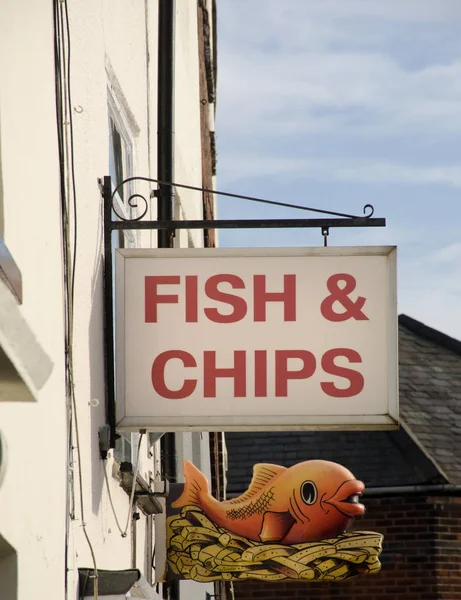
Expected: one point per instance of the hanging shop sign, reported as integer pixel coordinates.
(216, 339)
(290, 525)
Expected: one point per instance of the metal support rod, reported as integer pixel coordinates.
(169, 182)
(165, 192)
(251, 223)
(165, 116)
(109, 310)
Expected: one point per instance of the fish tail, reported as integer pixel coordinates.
(196, 484)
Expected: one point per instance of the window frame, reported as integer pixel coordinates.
(126, 444)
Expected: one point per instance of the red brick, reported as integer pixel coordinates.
(422, 541)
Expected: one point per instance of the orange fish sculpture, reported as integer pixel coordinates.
(310, 501)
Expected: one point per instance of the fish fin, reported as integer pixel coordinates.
(196, 483)
(275, 526)
(262, 474)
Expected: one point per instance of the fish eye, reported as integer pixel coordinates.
(309, 492)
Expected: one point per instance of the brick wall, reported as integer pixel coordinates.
(421, 556)
(447, 530)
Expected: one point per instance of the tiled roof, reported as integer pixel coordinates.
(430, 393)
(427, 449)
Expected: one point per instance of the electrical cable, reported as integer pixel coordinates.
(62, 57)
(124, 532)
(72, 159)
(58, 99)
(82, 514)
(134, 483)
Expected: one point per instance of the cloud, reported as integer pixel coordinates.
(337, 101)
(318, 25)
(369, 172)
(411, 10)
(448, 256)
(286, 83)
(361, 93)
(430, 287)
(332, 66)
(244, 166)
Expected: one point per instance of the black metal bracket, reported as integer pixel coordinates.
(121, 223)
(146, 498)
(150, 494)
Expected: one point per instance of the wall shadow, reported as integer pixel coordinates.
(2, 225)
(97, 386)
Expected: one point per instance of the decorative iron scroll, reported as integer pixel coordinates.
(368, 209)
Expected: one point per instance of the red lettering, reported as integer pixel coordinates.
(260, 373)
(356, 381)
(288, 297)
(152, 298)
(191, 299)
(282, 374)
(340, 295)
(158, 375)
(238, 304)
(211, 373)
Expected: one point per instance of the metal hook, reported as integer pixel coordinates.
(325, 233)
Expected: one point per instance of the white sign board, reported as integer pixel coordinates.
(258, 339)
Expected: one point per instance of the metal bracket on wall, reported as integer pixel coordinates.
(146, 497)
(121, 223)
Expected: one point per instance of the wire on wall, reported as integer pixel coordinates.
(119, 527)
(65, 135)
(123, 532)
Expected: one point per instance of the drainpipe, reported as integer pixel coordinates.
(165, 117)
(165, 193)
(434, 489)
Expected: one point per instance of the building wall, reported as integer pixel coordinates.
(113, 67)
(421, 556)
(447, 533)
(33, 493)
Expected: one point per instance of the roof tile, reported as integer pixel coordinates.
(430, 406)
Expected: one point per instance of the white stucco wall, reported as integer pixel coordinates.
(33, 493)
(109, 43)
(187, 119)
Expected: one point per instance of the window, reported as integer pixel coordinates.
(120, 168)
(121, 150)
(120, 155)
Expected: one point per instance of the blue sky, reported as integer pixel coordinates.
(339, 103)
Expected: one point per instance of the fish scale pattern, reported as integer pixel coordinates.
(254, 507)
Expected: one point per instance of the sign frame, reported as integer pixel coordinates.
(383, 421)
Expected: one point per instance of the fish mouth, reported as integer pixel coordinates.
(346, 499)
